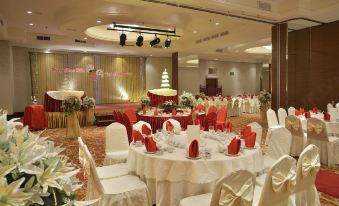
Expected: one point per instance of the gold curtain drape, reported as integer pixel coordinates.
(122, 80)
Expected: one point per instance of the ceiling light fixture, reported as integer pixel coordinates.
(98, 21)
(167, 43)
(140, 41)
(31, 24)
(123, 39)
(154, 41)
(29, 12)
(195, 31)
(85, 38)
(217, 23)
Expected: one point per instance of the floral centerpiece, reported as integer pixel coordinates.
(72, 104)
(169, 105)
(199, 96)
(88, 102)
(145, 101)
(265, 98)
(186, 99)
(33, 171)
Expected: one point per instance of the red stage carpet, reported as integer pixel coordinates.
(328, 182)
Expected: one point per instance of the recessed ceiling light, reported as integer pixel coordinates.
(216, 59)
(98, 21)
(47, 51)
(85, 38)
(31, 24)
(151, 54)
(29, 12)
(217, 23)
(195, 31)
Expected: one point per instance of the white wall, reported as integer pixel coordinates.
(154, 67)
(6, 77)
(22, 79)
(245, 77)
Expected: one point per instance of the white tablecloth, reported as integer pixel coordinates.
(171, 176)
(65, 94)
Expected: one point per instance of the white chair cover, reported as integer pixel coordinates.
(337, 106)
(279, 184)
(328, 146)
(236, 108)
(138, 126)
(117, 145)
(282, 114)
(291, 111)
(330, 106)
(229, 108)
(175, 123)
(293, 124)
(279, 143)
(247, 106)
(272, 118)
(235, 189)
(307, 167)
(104, 172)
(126, 190)
(334, 113)
(257, 128)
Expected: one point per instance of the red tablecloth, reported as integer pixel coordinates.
(52, 105)
(34, 117)
(158, 100)
(156, 122)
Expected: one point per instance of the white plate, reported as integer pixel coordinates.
(193, 158)
(230, 155)
(250, 148)
(146, 152)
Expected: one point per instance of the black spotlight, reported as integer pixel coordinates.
(140, 40)
(167, 43)
(123, 39)
(154, 41)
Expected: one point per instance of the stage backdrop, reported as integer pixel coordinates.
(109, 79)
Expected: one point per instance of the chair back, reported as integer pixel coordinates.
(115, 116)
(282, 114)
(128, 125)
(131, 113)
(119, 117)
(293, 124)
(222, 114)
(212, 109)
(116, 137)
(279, 143)
(271, 118)
(175, 123)
(337, 106)
(291, 111)
(210, 120)
(81, 151)
(138, 125)
(236, 104)
(234, 189)
(247, 106)
(280, 182)
(316, 129)
(307, 167)
(257, 128)
(201, 107)
(93, 174)
(333, 112)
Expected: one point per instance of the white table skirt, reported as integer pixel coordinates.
(172, 176)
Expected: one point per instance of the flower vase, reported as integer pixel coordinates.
(263, 110)
(73, 127)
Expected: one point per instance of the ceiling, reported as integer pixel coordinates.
(203, 34)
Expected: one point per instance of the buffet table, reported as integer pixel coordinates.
(159, 96)
(172, 176)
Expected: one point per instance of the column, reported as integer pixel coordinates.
(175, 79)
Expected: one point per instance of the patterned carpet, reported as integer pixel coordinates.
(94, 138)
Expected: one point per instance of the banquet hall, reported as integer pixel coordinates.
(169, 102)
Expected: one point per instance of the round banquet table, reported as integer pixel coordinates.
(171, 176)
(332, 126)
(156, 122)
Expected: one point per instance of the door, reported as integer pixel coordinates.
(211, 87)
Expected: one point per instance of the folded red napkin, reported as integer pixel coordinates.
(327, 116)
(169, 126)
(301, 110)
(307, 115)
(193, 150)
(250, 140)
(315, 110)
(234, 146)
(196, 121)
(297, 113)
(174, 111)
(145, 130)
(220, 127)
(229, 126)
(137, 136)
(246, 131)
(150, 144)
